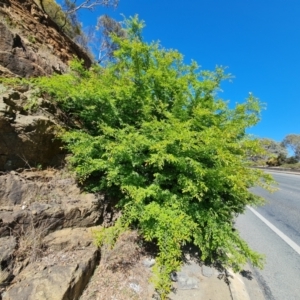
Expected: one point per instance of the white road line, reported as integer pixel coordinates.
(277, 231)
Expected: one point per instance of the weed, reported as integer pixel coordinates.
(9, 22)
(31, 39)
(32, 104)
(39, 167)
(30, 242)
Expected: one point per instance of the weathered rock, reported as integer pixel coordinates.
(52, 255)
(6, 73)
(47, 199)
(61, 271)
(7, 248)
(31, 43)
(69, 239)
(60, 274)
(61, 278)
(28, 140)
(149, 262)
(46, 249)
(207, 271)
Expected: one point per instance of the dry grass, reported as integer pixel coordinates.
(30, 242)
(295, 166)
(121, 274)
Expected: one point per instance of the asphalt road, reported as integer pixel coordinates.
(280, 278)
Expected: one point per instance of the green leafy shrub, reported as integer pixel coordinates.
(154, 134)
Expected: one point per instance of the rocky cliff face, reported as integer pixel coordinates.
(31, 43)
(27, 128)
(46, 248)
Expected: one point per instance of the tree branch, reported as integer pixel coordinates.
(90, 5)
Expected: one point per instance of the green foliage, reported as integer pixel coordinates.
(31, 39)
(291, 160)
(109, 236)
(14, 82)
(31, 104)
(155, 135)
(273, 153)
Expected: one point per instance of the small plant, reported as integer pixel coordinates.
(9, 22)
(32, 104)
(39, 167)
(31, 39)
(30, 242)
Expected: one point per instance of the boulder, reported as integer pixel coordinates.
(46, 223)
(28, 140)
(62, 273)
(46, 199)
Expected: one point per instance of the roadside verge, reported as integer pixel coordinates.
(244, 286)
(279, 170)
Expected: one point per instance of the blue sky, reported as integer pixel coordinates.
(259, 42)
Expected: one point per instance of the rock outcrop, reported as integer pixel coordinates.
(7, 248)
(46, 220)
(31, 43)
(46, 223)
(50, 199)
(62, 273)
(27, 130)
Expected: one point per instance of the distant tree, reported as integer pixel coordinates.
(293, 141)
(105, 44)
(272, 147)
(291, 160)
(274, 152)
(274, 161)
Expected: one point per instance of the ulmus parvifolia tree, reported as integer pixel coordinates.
(155, 135)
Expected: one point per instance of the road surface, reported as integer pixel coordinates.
(274, 230)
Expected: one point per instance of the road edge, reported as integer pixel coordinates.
(279, 170)
(242, 288)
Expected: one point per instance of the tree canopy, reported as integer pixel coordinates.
(274, 153)
(155, 135)
(293, 141)
(106, 46)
